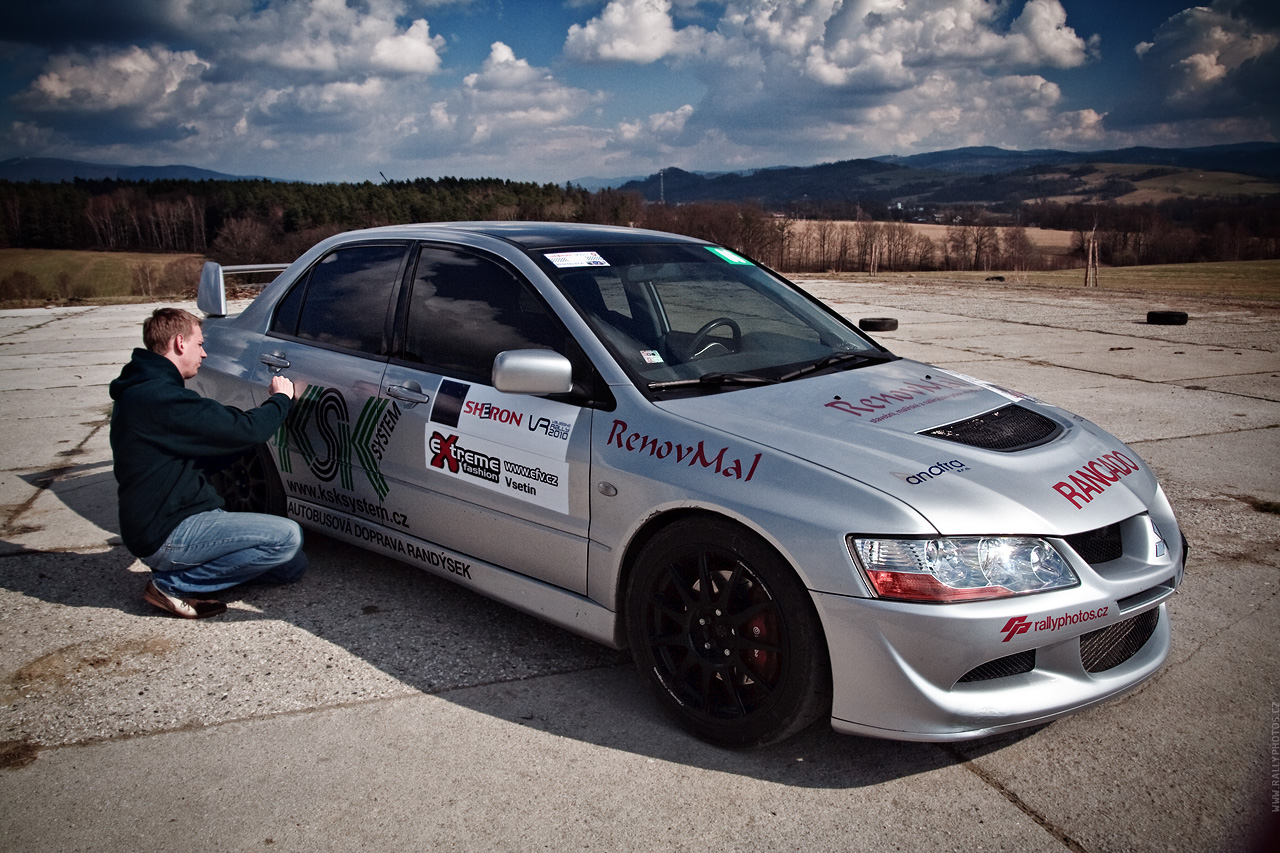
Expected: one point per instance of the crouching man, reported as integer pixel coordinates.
(162, 436)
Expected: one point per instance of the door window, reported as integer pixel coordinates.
(344, 299)
(465, 309)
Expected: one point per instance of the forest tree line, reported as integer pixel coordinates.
(249, 221)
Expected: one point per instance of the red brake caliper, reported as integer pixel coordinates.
(763, 664)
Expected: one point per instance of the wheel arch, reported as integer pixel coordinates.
(665, 518)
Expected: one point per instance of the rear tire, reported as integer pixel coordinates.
(726, 635)
(1167, 318)
(250, 483)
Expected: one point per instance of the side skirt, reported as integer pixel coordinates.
(552, 604)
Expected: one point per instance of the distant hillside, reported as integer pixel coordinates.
(54, 170)
(1261, 159)
(988, 176)
(848, 180)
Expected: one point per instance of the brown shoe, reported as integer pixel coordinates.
(187, 608)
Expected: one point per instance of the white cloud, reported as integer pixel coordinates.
(106, 81)
(339, 88)
(824, 79)
(639, 31)
(415, 51)
(1206, 62)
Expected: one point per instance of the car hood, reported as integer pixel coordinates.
(864, 424)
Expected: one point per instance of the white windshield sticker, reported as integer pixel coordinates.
(565, 260)
(651, 356)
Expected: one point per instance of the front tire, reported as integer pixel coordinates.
(726, 635)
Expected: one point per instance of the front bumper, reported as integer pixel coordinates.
(927, 672)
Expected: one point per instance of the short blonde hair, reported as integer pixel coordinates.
(164, 325)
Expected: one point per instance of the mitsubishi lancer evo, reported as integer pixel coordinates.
(659, 444)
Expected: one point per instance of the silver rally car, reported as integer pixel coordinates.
(658, 444)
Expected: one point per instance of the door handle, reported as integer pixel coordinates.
(274, 362)
(408, 393)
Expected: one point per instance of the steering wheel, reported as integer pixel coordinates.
(700, 336)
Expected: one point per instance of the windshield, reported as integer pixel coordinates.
(680, 315)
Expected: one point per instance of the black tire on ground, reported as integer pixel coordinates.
(250, 483)
(1167, 318)
(725, 634)
(877, 324)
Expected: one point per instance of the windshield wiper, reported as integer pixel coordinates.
(713, 380)
(870, 357)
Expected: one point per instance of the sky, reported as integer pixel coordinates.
(560, 90)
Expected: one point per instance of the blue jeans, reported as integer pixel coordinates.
(215, 550)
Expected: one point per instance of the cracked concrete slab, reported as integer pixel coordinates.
(372, 705)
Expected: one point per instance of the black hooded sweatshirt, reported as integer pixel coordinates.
(162, 437)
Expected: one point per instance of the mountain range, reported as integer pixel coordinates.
(976, 175)
(54, 170)
(987, 175)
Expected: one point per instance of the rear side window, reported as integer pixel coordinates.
(465, 309)
(344, 299)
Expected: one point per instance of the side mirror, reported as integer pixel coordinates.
(211, 298)
(532, 371)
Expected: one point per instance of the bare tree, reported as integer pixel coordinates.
(1018, 250)
(896, 240)
(866, 236)
(242, 241)
(144, 278)
(959, 247)
(922, 252)
(986, 246)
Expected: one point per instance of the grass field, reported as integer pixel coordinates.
(1046, 241)
(109, 277)
(1254, 280)
(37, 276)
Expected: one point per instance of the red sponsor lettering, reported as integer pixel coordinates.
(697, 455)
(1022, 624)
(871, 404)
(1088, 481)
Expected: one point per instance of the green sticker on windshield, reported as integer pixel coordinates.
(729, 256)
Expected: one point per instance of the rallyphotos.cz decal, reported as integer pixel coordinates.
(509, 443)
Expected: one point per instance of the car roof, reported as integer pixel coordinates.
(539, 235)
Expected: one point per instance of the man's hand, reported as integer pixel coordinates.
(284, 385)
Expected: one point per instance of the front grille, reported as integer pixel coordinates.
(1098, 546)
(1000, 667)
(1007, 429)
(1111, 646)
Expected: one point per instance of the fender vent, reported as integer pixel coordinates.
(1006, 429)
(1109, 647)
(1098, 546)
(1000, 667)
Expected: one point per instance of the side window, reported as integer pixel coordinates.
(344, 299)
(465, 309)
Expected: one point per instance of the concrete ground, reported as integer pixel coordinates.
(373, 706)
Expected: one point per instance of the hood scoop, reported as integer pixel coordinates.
(1007, 429)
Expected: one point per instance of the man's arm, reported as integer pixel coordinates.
(198, 426)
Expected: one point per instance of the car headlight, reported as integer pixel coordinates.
(950, 569)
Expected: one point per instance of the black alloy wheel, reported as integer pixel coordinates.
(250, 484)
(726, 635)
